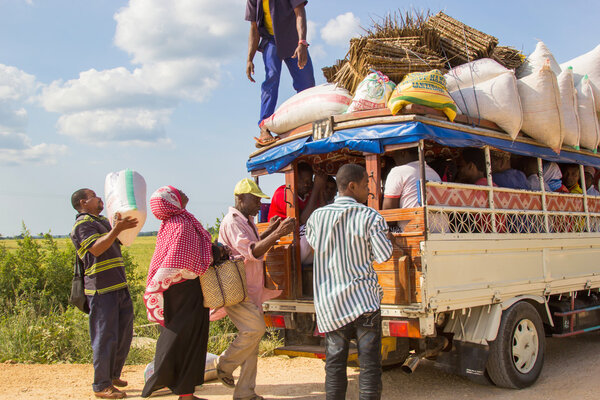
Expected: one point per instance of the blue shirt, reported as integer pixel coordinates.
(511, 178)
(347, 237)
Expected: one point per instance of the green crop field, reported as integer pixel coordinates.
(141, 250)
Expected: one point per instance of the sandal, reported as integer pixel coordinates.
(264, 142)
(226, 379)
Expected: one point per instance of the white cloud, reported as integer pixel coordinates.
(15, 85)
(179, 48)
(158, 30)
(16, 149)
(12, 118)
(341, 29)
(128, 125)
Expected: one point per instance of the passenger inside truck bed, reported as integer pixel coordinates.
(570, 177)
(471, 167)
(506, 176)
(402, 183)
(309, 197)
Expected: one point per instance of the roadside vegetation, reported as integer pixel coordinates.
(37, 325)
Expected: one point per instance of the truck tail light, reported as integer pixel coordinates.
(275, 321)
(401, 328)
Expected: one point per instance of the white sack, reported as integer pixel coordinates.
(473, 73)
(496, 100)
(125, 193)
(588, 120)
(587, 64)
(307, 106)
(372, 93)
(568, 106)
(210, 368)
(536, 60)
(540, 100)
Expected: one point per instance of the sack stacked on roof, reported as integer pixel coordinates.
(540, 100)
(423, 88)
(537, 60)
(372, 93)
(589, 133)
(568, 105)
(485, 89)
(307, 106)
(588, 64)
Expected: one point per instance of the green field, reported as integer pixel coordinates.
(141, 250)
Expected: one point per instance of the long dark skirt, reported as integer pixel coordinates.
(181, 347)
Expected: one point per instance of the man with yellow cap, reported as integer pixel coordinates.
(239, 233)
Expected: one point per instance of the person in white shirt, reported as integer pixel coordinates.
(402, 186)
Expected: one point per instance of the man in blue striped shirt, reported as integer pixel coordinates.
(347, 237)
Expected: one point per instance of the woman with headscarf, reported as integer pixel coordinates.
(173, 295)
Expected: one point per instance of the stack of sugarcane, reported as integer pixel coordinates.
(415, 42)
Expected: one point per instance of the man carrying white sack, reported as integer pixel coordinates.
(278, 30)
(239, 233)
(111, 308)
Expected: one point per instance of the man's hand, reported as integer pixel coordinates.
(122, 224)
(320, 180)
(394, 241)
(301, 54)
(274, 222)
(286, 227)
(250, 70)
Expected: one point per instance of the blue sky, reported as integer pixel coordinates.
(90, 87)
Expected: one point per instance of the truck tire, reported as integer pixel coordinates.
(517, 355)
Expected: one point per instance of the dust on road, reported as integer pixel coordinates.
(571, 371)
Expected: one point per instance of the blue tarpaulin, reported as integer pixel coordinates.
(372, 139)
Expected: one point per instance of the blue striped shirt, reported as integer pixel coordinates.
(347, 237)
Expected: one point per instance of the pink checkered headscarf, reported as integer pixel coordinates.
(183, 249)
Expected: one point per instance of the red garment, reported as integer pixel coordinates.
(183, 249)
(278, 205)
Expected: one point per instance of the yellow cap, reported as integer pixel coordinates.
(247, 185)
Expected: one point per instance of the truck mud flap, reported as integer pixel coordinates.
(466, 359)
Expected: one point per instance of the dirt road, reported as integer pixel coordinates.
(571, 371)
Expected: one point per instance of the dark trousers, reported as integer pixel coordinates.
(302, 78)
(366, 329)
(111, 330)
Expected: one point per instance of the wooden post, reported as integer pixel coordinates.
(374, 173)
(293, 210)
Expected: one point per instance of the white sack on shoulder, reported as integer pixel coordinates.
(125, 193)
(568, 105)
(587, 64)
(540, 100)
(307, 106)
(588, 120)
(536, 60)
(473, 73)
(496, 100)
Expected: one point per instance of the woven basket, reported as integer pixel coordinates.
(224, 284)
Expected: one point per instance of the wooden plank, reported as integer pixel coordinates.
(394, 278)
(278, 269)
(373, 163)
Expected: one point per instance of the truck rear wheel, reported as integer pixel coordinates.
(517, 355)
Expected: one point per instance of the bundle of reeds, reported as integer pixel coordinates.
(460, 43)
(508, 56)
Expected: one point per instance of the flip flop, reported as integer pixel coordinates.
(265, 142)
(225, 379)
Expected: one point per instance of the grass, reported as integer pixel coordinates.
(26, 333)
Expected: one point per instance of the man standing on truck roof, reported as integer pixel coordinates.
(278, 30)
(347, 237)
(238, 232)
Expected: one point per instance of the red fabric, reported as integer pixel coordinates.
(181, 242)
(183, 249)
(278, 205)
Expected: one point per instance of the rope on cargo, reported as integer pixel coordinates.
(471, 70)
